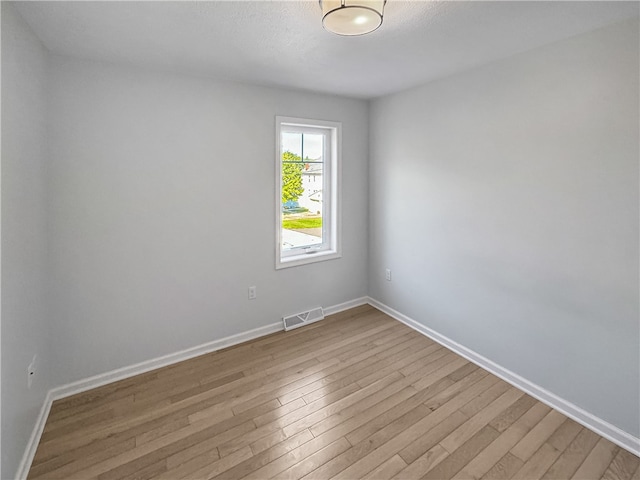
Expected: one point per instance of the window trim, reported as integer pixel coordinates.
(332, 244)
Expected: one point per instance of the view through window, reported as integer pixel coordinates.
(302, 189)
(307, 194)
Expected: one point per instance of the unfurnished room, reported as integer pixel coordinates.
(335, 239)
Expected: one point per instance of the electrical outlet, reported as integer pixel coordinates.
(387, 274)
(252, 293)
(31, 371)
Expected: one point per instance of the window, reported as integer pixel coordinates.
(307, 191)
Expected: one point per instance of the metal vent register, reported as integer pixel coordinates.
(304, 318)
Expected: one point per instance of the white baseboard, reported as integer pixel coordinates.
(146, 366)
(34, 439)
(601, 427)
(341, 307)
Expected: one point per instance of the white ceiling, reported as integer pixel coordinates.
(282, 43)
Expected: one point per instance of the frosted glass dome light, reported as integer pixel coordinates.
(352, 17)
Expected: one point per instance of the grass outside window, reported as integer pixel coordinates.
(298, 223)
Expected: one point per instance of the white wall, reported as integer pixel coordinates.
(24, 251)
(162, 213)
(505, 201)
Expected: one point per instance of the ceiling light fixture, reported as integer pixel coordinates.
(352, 17)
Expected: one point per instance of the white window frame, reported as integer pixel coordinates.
(330, 248)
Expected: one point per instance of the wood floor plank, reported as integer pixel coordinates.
(330, 345)
(213, 469)
(382, 341)
(390, 340)
(162, 430)
(145, 473)
(396, 414)
(463, 372)
(424, 463)
(365, 447)
(276, 413)
(409, 340)
(207, 448)
(144, 455)
(81, 414)
(290, 459)
(409, 434)
(362, 411)
(485, 460)
(477, 382)
(59, 417)
(186, 387)
(73, 423)
(430, 439)
(622, 467)
(526, 447)
(325, 344)
(563, 436)
(358, 395)
(314, 461)
(187, 467)
(597, 461)
(268, 455)
(571, 459)
(333, 378)
(387, 470)
(395, 364)
(359, 371)
(101, 395)
(485, 398)
(282, 426)
(328, 415)
(276, 427)
(477, 422)
(268, 441)
(219, 422)
(77, 460)
(385, 384)
(225, 398)
(421, 364)
(514, 412)
(504, 469)
(379, 412)
(456, 461)
(539, 462)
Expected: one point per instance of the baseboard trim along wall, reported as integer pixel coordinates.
(601, 427)
(34, 439)
(146, 366)
(341, 307)
(605, 429)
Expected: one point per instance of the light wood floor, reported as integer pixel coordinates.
(357, 395)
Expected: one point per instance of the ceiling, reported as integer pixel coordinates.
(282, 43)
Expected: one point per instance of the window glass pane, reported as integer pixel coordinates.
(292, 142)
(312, 145)
(302, 184)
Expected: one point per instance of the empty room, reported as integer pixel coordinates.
(320, 239)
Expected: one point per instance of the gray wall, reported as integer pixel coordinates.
(162, 213)
(505, 201)
(25, 324)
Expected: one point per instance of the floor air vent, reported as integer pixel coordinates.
(304, 318)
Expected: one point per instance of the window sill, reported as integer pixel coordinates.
(306, 258)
